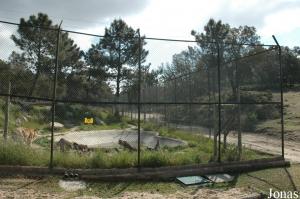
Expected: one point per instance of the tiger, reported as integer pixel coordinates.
(80, 147)
(126, 145)
(25, 135)
(64, 145)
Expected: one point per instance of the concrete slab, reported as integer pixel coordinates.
(193, 180)
(219, 178)
(110, 138)
(72, 185)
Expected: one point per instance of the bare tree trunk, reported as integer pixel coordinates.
(209, 100)
(118, 79)
(215, 119)
(87, 91)
(38, 67)
(215, 134)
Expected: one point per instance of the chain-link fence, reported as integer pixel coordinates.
(102, 107)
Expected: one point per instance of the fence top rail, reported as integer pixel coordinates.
(111, 102)
(146, 38)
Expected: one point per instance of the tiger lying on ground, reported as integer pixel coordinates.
(80, 147)
(25, 135)
(126, 145)
(66, 145)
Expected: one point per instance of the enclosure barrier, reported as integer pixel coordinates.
(175, 102)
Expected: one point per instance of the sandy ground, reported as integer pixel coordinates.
(233, 193)
(270, 145)
(21, 188)
(202, 193)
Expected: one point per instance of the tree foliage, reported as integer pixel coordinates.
(37, 38)
(118, 51)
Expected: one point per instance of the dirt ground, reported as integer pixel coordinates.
(21, 188)
(270, 145)
(201, 193)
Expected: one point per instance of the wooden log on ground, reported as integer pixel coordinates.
(159, 173)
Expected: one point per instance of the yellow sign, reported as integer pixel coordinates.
(88, 120)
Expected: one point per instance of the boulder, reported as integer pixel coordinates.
(18, 122)
(57, 125)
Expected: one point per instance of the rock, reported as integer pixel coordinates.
(21, 119)
(18, 122)
(24, 118)
(57, 125)
(72, 185)
(98, 121)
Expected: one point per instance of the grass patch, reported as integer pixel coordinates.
(280, 179)
(43, 142)
(12, 153)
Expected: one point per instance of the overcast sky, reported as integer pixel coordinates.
(161, 18)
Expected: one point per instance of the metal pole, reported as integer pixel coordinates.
(219, 102)
(175, 115)
(237, 76)
(54, 95)
(281, 96)
(7, 103)
(139, 100)
(190, 100)
(156, 100)
(209, 99)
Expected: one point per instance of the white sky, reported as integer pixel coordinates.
(161, 18)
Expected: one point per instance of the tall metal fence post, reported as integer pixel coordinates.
(281, 96)
(139, 100)
(175, 99)
(7, 103)
(190, 100)
(237, 76)
(219, 103)
(54, 96)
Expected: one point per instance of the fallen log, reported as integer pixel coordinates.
(158, 173)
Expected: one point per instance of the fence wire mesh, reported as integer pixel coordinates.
(101, 106)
